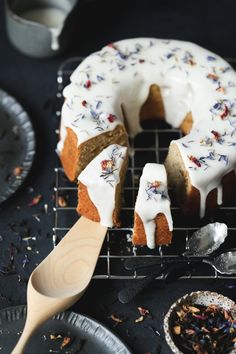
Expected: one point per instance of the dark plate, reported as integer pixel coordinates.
(88, 336)
(17, 145)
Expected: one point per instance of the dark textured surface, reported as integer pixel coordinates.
(211, 24)
(84, 333)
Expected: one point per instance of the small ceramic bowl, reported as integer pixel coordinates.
(201, 298)
(17, 145)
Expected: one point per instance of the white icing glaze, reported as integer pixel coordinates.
(101, 176)
(220, 194)
(153, 199)
(209, 154)
(191, 79)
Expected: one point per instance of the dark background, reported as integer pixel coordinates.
(211, 24)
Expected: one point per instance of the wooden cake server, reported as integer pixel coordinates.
(63, 276)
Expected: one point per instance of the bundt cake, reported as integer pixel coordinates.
(135, 79)
(100, 186)
(153, 223)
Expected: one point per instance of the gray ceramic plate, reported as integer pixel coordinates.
(88, 336)
(17, 145)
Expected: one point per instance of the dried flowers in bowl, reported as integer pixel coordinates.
(202, 322)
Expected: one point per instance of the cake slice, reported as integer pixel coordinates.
(200, 167)
(82, 141)
(100, 186)
(152, 216)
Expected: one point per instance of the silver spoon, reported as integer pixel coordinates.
(202, 243)
(225, 263)
(206, 240)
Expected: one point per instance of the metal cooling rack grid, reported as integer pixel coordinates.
(149, 146)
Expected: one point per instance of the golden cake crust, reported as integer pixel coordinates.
(187, 195)
(191, 205)
(163, 235)
(75, 158)
(153, 107)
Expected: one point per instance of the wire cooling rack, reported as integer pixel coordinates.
(149, 146)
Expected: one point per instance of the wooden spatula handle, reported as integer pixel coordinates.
(62, 278)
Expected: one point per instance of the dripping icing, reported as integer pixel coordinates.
(153, 199)
(101, 176)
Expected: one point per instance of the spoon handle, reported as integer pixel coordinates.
(130, 292)
(170, 273)
(39, 309)
(136, 263)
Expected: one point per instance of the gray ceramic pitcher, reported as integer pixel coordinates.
(37, 27)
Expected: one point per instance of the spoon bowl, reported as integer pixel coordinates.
(225, 263)
(207, 239)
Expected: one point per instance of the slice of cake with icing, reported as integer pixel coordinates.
(100, 186)
(136, 79)
(201, 165)
(87, 132)
(153, 221)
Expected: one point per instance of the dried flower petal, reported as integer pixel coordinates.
(143, 311)
(116, 319)
(35, 200)
(66, 341)
(194, 160)
(17, 171)
(177, 330)
(62, 202)
(107, 165)
(55, 336)
(226, 315)
(213, 77)
(111, 45)
(225, 112)
(139, 319)
(193, 309)
(216, 134)
(220, 89)
(88, 84)
(111, 118)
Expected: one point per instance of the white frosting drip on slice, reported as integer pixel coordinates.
(209, 154)
(219, 194)
(153, 199)
(101, 176)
